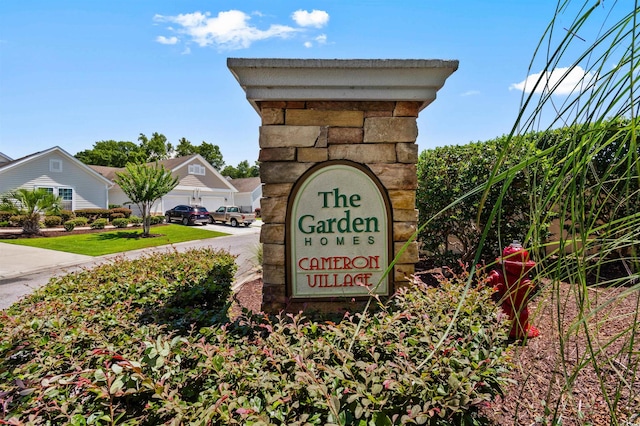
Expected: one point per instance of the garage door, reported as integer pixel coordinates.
(170, 201)
(212, 203)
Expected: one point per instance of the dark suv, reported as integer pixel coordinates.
(188, 215)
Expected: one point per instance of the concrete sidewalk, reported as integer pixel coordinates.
(25, 269)
(17, 260)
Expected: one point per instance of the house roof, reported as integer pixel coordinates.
(4, 158)
(106, 171)
(246, 184)
(170, 164)
(27, 158)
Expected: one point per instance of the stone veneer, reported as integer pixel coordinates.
(296, 136)
(318, 110)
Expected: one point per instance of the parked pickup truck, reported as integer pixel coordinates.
(232, 215)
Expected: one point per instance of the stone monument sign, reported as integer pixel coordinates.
(338, 165)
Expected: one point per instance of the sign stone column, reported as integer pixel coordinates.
(338, 164)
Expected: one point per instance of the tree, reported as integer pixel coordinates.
(185, 148)
(157, 148)
(208, 151)
(112, 153)
(242, 171)
(212, 154)
(31, 203)
(144, 185)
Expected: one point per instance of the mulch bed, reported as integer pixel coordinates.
(541, 372)
(60, 232)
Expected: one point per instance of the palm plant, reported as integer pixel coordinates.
(31, 203)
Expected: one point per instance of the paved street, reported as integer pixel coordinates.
(24, 269)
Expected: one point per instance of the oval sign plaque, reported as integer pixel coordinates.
(338, 234)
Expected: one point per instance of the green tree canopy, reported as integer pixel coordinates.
(144, 185)
(208, 151)
(112, 153)
(243, 170)
(156, 148)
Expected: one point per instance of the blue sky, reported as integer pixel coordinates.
(73, 72)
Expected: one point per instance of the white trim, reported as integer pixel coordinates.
(56, 191)
(208, 166)
(265, 79)
(71, 158)
(197, 169)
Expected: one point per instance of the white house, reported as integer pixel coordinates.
(199, 184)
(79, 186)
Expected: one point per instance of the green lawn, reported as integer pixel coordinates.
(109, 242)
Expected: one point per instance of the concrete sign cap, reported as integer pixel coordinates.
(341, 79)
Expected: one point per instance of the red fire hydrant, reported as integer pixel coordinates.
(514, 287)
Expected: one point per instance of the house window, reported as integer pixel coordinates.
(196, 169)
(66, 197)
(65, 194)
(55, 165)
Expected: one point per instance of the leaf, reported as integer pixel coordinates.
(117, 385)
(381, 419)
(26, 392)
(99, 375)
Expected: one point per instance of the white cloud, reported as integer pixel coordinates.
(315, 18)
(186, 51)
(320, 40)
(167, 40)
(471, 93)
(567, 80)
(229, 30)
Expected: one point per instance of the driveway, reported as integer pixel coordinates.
(23, 269)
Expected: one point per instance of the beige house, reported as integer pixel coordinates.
(249, 193)
(199, 184)
(54, 169)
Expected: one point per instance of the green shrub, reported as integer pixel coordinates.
(99, 223)
(52, 221)
(120, 222)
(156, 220)
(17, 220)
(125, 212)
(135, 220)
(4, 223)
(6, 215)
(70, 225)
(447, 173)
(67, 215)
(137, 342)
(80, 221)
(93, 214)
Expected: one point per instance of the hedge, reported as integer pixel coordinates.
(448, 173)
(147, 342)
